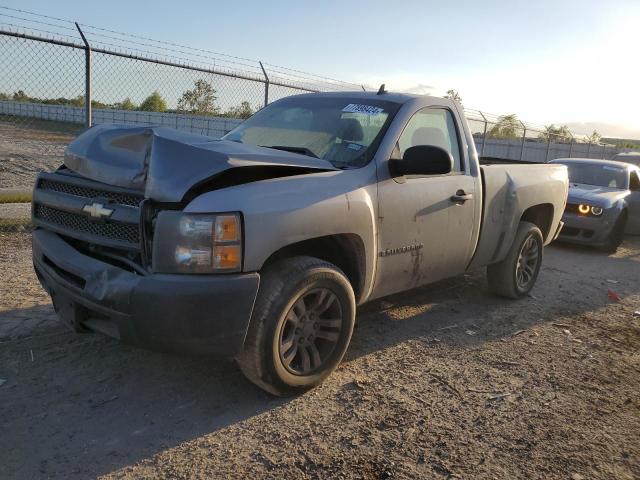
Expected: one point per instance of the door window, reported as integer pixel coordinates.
(634, 183)
(432, 126)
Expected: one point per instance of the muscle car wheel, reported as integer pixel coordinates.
(301, 326)
(617, 234)
(516, 275)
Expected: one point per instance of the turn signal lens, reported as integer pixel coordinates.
(597, 211)
(226, 257)
(227, 228)
(583, 209)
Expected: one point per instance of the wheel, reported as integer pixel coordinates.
(301, 325)
(516, 275)
(617, 234)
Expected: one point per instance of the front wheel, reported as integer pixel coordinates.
(515, 276)
(301, 325)
(617, 234)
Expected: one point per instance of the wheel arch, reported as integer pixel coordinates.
(346, 251)
(540, 215)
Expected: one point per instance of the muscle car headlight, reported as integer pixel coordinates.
(597, 211)
(197, 243)
(584, 209)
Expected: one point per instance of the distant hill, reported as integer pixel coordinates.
(623, 142)
(609, 130)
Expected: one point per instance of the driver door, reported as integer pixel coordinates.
(426, 223)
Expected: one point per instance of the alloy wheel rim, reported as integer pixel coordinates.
(310, 331)
(527, 262)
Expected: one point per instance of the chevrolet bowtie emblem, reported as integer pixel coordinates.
(97, 210)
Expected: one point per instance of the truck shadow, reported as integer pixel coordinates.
(462, 311)
(85, 405)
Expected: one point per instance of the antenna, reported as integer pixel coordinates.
(381, 90)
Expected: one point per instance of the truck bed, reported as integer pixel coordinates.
(505, 161)
(509, 190)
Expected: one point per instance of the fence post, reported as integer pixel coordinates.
(604, 150)
(570, 145)
(484, 135)
(546, 158)
(87, 78)
(589, 150)
(524, 136)
(266, 85)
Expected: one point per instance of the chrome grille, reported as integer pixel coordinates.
(123, 232)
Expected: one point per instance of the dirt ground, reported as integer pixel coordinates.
(25, 151)
(442, 382)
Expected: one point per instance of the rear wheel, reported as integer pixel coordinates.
(301, 325)
(617, 234)
(515, 276)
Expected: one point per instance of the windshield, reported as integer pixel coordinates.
(598, 175)
(344, 131)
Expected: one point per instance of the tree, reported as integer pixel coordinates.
(507, 126)
(20, 96)
(126, 104)
(4, 96)
(154, 103)
(201, 100)
(594, 137)
(243, 110)
(98, 104)
(453, 95)
(553, 134)
(77, 102)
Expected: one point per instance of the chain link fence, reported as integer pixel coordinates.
(60, 77)
(507, 137)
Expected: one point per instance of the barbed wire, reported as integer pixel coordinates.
(127, 43)
(124, 41)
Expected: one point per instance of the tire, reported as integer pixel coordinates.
(511, 277)
(617, 234)
(301, 326)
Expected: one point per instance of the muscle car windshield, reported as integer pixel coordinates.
(344, 131)
(598, 175)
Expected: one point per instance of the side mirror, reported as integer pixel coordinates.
(422, 160)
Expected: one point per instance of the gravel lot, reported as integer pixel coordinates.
(442, 382)
(26, 151)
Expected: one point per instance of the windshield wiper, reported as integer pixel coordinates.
(286, 148)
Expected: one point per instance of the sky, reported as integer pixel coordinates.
(563, 61)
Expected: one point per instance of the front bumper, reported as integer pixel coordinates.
(186, 313)
(586, 230)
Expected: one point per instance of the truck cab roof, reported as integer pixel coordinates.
(394, 97)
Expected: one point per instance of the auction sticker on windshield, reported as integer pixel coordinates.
(364, 109)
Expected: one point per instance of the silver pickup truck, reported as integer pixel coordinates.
(260, 245)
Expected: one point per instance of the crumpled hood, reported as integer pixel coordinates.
(603, 197)
(166, 163)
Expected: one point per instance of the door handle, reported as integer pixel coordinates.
(461, 197)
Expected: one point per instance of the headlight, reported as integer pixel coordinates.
(583, 209)
(586, 209)
(597, 211)
(197, 243)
